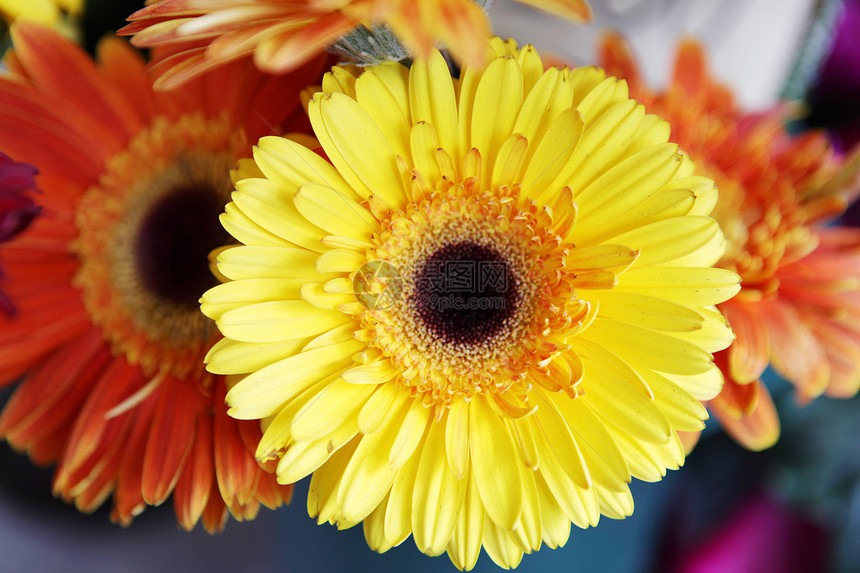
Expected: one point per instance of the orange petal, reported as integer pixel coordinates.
(191, 495)
(615, 56)
(573, 10)
(691, 71)
(749, 354)
(170, 438)
(755, 431)
(796, 353)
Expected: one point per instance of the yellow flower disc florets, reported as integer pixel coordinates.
(519, 297)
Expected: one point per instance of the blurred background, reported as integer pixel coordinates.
(793, 508)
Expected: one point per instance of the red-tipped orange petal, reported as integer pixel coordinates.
(191, 495)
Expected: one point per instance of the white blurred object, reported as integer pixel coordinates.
(751, 44)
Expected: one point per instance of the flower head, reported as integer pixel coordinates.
(799, 302)
(108, 335)
(282, 34)
(17, 209)
(482, 314)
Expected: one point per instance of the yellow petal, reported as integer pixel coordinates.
(557, 435)
(272, 208)
(551, 154)
(689, 286)
(368, 476)
(262, 393)
(339, 261)
(465, 544)
(227, 296)
(332, 212)
(432, 100)
(492, 454)
(234, 357)
(604, 458)
(388, 398)
(649, 311)
(438, 495)
(555, 526)
(357, 148)
(665, 241)
(292, 165)
(499, 545)
(277, 321)
(383, 107)
(336, 402)
(551, 95)
(373, 373)
(682, 410)
(247, 231)
(457, 438)
(410, 433)
(252, 262)
(305, 457)
(398, 514)
(493, 117)
(617, 400)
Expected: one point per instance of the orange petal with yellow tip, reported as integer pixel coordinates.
(573, 10)
(757, 430)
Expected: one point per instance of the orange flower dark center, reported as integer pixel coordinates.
(173, 241)
(465, 293)
(145, 231)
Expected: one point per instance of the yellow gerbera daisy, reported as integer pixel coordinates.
(488, 310)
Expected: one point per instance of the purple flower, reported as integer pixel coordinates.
(17, 208)
(834, 95)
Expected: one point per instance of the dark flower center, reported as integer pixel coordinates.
(465, 293)
(173, 242)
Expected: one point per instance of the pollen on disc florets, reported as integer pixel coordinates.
(529, 303)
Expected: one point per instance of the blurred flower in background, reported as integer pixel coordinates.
(17, 209)
(108, 335)
(801, 279)
(281, 34)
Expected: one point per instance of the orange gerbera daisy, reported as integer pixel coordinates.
(799, 305)
(108, 336)
(282, 34)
